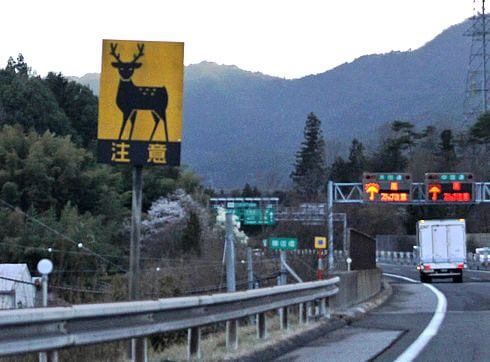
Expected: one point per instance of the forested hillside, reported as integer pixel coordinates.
(244, 127)
(56, 201)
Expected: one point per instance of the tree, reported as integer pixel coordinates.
(446, 153)
(192, 234)
(480, 131)
(249, 191)
(309, 175)
(79, 104)
(392, 154)
(26, 100)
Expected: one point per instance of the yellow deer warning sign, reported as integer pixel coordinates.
(140, 102)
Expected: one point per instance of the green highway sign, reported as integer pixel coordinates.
(277, 243)
(259, 216)
(250, 210)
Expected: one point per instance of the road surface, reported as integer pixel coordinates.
(450, 323)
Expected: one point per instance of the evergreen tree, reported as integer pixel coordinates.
(480, 131)
(357, 161)
(446, 153)
(249, 191)
(192, 234)
(309, 175)
(79, 104)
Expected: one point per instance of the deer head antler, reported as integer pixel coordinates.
(141, 47)
(113, 52)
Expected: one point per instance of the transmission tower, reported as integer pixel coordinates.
(477, 98)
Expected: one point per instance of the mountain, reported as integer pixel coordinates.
(241, 126)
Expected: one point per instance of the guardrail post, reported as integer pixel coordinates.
(283, 316)
(232, 335)
(261, 326)
(303, 313)
(324, 308)
(139, 348)
(193, 342)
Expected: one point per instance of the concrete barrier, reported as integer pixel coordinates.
(356, 287)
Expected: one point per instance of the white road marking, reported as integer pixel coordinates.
(432, 328)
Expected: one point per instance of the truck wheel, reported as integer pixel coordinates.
(423, 278)
(458, 279)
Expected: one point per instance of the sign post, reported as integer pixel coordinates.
(140, 123)
(320, 245)
(45, 267)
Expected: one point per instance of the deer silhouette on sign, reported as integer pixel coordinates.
(132, 98)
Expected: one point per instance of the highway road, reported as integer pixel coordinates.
(442, 321)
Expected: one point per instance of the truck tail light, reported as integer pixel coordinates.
(460, 266)
(426, 267)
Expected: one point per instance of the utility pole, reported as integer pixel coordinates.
(250, 270)
(230, 254)
(231, 325)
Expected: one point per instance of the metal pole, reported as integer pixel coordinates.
(345, 235)
(138, 350)
(250, 270)
(50, 356)
(43, 356)
(484, 47)
(284, 271)
(320, 265)
(230, 254)
(44, 283)
(330, 224)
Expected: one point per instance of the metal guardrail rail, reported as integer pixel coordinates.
(48, 329)
(473, 261)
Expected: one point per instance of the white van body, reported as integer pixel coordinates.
(441, 249)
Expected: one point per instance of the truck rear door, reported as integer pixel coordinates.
(439, 243)
(456, 243)
(425, 243)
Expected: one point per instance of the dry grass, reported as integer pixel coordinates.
(106, 352)
(213, 347)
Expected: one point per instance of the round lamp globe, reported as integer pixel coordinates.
(45, 266)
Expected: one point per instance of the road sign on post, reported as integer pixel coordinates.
(393, 187)
(449, 187)
(277, 243)
(140, 103)
(140, 123)
(320, 242)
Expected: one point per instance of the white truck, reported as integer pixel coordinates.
(441, 247)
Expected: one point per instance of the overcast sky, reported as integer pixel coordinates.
(283, 38)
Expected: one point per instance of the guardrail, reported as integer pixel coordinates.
(49, 329)
(474, 261)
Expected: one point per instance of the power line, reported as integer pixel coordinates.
(58, 233)
(57, 286)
